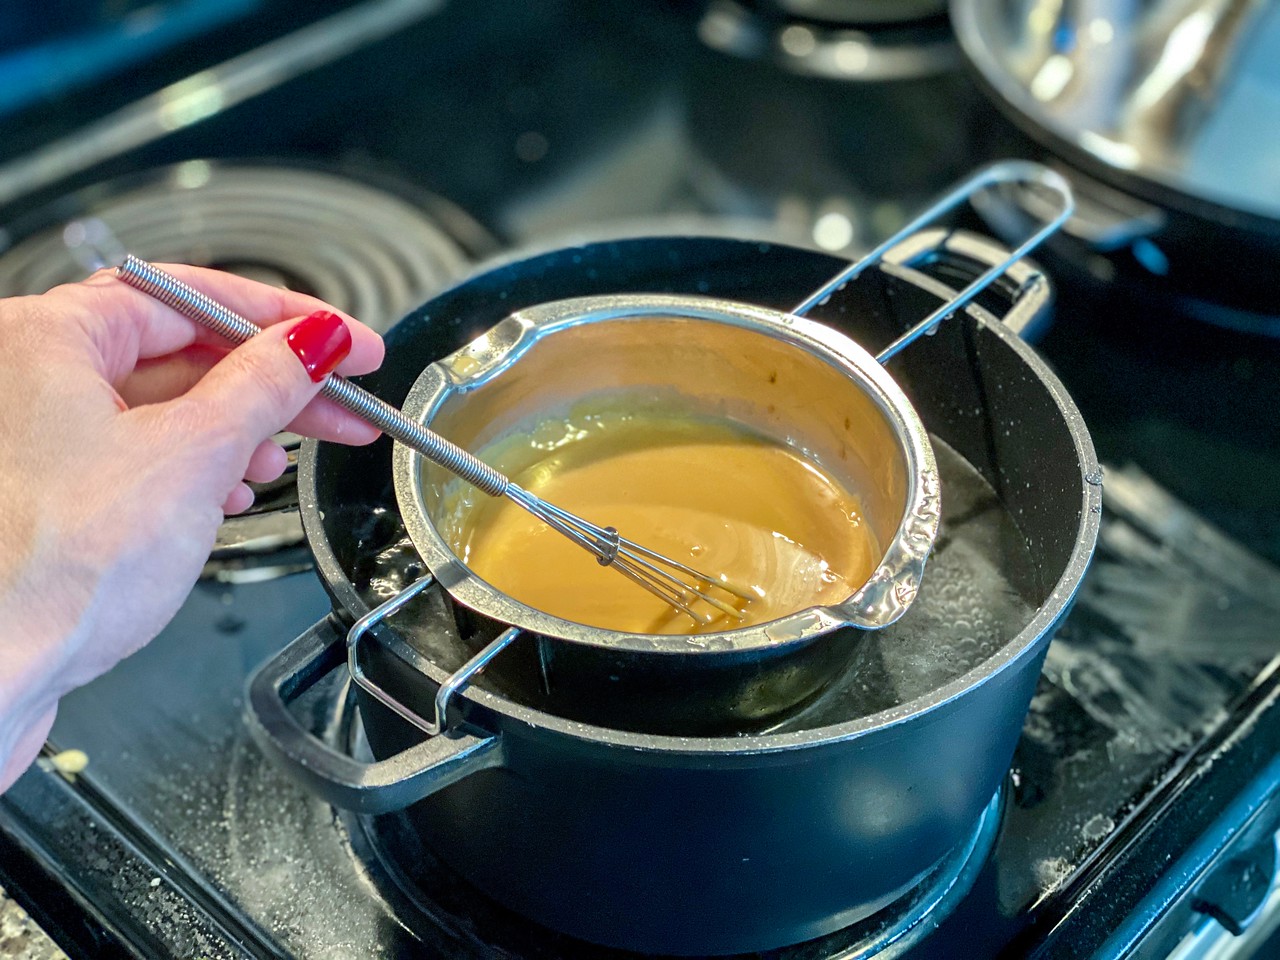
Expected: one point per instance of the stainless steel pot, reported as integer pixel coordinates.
(1175, 94)
(791, 379)
(1163, 115)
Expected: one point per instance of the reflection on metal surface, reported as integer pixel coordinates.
(206, 94)
(191, 100)
(1184, 92)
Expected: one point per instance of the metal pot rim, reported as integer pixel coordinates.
(885, 596)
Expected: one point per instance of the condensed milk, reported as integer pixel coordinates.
(704, 491)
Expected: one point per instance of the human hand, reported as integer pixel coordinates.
(127, 434)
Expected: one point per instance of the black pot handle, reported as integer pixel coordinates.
(378, 787)
(1028, 291)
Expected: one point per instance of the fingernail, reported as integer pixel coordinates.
(320, 341)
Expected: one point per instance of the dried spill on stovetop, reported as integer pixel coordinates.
(1171, 626)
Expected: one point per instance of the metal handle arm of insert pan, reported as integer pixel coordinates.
(1003, 172)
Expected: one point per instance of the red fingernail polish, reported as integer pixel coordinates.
(321, 341)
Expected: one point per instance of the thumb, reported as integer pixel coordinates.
(263, 384)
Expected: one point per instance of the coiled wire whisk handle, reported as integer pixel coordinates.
(193, 304)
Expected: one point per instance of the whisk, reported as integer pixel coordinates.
(678, 585)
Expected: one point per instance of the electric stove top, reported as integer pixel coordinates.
(1139, 817)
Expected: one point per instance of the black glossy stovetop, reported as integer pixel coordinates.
(1149, 747)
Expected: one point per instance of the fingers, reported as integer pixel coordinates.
(259, 387)
(325, 420)
(266, 463)
(127, 325)
(238, 500)
(165, 378)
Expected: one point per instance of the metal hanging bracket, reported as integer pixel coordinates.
(439, 722)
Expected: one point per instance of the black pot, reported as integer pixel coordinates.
(731, 843)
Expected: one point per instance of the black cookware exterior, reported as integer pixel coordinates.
(714, 844)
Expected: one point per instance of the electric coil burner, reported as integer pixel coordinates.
(361, 248)
(367, 250)
(1139, 816)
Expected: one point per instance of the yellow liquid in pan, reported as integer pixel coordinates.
(706, 493)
